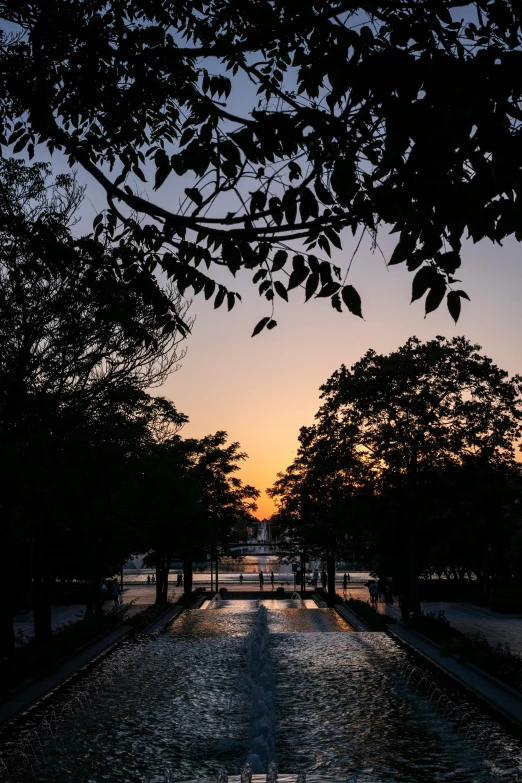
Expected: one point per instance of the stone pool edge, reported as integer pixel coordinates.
(498, 696)
(31, 696)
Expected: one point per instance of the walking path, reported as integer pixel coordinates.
(136, 597)
(499, 696)
(468, 618)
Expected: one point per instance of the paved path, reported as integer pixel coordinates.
(499, 696)
(136, 597)
(468, 618)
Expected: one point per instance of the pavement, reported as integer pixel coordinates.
(496, 694)
(135, 597)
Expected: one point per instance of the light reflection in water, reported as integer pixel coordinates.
(341, 703)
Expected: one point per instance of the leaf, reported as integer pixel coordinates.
(271, 324)
(308, 206)
(261, 325)
(336, 303)
(281, 290)
(454, 303)
(299, 274)
(257, 202)
(436, 294)
(21, 143)
(329, 289)
(194, 195)
(274, 205)
(220, 298)
(231, 300)
(311, 285)
(229, 150)
(403, 249)
(279, 261)
(464, 295)
(323, 194)
(352, 300)
(290, 213)
(210, 287)
(161, 175)
(139, 173)
(423, 280)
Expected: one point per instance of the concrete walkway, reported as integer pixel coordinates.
(135, 597)
(468, 618)
(500, 697)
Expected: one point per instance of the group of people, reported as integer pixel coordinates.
(262, 579)
(110, 591)
(380, 590)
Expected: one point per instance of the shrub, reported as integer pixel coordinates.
(377, 622)
(435, 626)
(498, 661)
(143, 619)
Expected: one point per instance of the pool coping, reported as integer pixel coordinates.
(500, 697)
(352, 618)
(27, 698)
(34, 693)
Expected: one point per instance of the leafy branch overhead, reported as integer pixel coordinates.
(399, 114)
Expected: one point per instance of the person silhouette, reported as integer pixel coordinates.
(261, 580)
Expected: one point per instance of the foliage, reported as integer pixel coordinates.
(402, 114)
(143, 619)
(377, 622)
(192, 501)
(497, 660)
(28, 661)
(410, 465)
(434, 625)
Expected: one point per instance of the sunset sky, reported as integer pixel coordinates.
(262, 390)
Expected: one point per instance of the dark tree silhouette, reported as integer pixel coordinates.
(399, 442)
(71, 375)
(359, 115)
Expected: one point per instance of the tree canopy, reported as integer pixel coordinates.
(410, 462)
(279, 125)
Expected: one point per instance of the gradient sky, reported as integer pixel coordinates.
(262, 390)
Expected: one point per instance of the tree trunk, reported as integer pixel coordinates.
(162, 577)
(410, 605)
(187, 575)
(43, 630)
(330, 571)
(7, 638)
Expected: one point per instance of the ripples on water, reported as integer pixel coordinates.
(342, 706)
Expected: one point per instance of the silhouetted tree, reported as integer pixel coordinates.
(424, 408)
(67, 365)
(319, 498)
(399, 113)
(410, 465)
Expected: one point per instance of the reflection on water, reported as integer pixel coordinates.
(342, 706)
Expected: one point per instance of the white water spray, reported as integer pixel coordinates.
(260, 692)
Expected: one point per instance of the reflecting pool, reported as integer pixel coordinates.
(184, 704)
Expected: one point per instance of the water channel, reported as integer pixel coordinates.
(271, 681)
